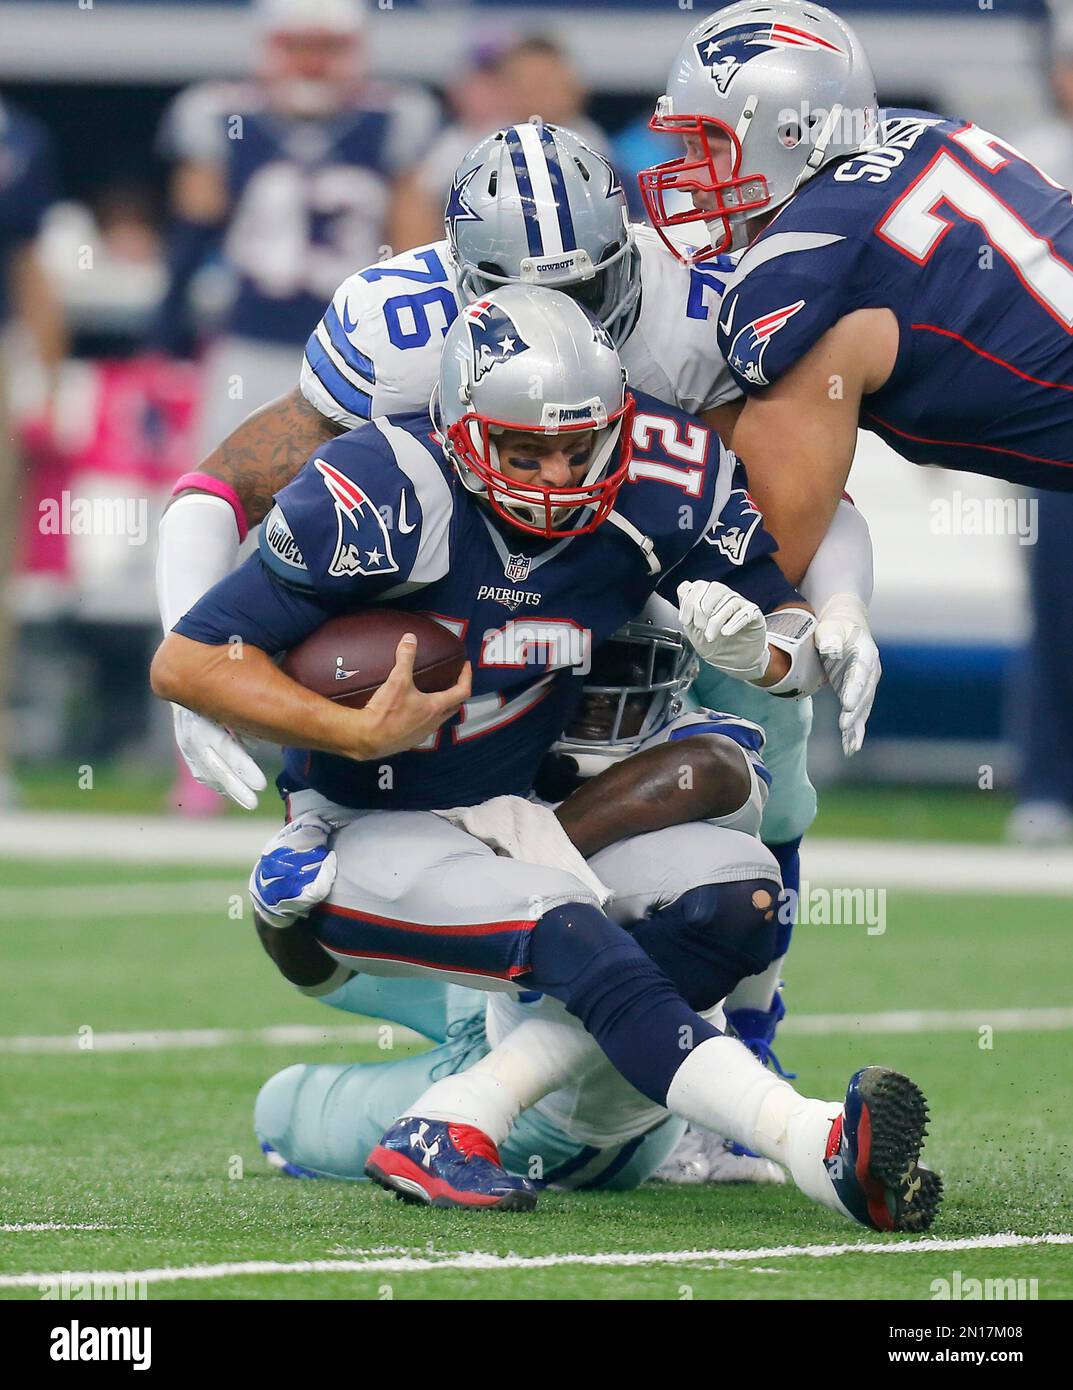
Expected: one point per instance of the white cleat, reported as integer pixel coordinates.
(727, 1166)
(703, 1157)
(689, 1162)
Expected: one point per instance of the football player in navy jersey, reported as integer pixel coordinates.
(538, 445)
(376, 351)
(905, 273)
(294, 177)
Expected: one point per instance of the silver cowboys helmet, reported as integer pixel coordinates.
(764, 96)
(530, 359)
(638, 681)
(535, 203)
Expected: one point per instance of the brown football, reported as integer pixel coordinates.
(349, 658)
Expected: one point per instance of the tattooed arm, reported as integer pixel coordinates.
(267, 450)
(200, 536)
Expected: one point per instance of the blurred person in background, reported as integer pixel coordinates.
(542, 81)
(479, 102)
(27, 301)
(506, 82)
(291, 179)
(295, 178)
(1044, 719)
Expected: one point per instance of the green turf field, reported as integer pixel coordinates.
(848, 810)
(154, 1149)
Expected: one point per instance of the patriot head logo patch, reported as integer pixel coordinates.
(362, 544)
(746, 355)
(733, 541)
(493, 336)
(725, 54)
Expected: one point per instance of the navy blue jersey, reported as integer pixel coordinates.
(308, 199)
(971, 247)
(27, 185)
(378, 516)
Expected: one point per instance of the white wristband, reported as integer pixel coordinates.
(792, 630)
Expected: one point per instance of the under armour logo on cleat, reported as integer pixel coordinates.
(428, 1151)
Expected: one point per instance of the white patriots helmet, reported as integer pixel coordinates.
(531, 359)
(764, 95)
(535, 203)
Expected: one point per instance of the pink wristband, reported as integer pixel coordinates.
(204, 482)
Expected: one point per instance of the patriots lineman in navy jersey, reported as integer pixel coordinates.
(538, 444)
(295, 177)
(906, 273)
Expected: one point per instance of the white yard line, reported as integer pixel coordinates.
(479, 1260)
(174, 898)
(14, 1227)
(37, 835)
(1041, 1020)
(927, 866)
(283, 1035)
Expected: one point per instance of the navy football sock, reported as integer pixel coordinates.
(789, 860)
(605, 979)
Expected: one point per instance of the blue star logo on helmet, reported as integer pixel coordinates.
(725, 54)
(458, 208)
(614, 187)
(493, 336)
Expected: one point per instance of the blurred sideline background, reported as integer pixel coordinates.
(105, 165)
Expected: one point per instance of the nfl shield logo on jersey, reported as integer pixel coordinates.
(726, 53)
(494, 337)
(517, 568)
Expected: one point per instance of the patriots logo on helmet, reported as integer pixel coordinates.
(494, 337)
(746, 355)
(458, 206)
(362, 544)
(724, 54)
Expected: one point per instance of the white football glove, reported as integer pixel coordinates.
(851, 659)
(295, 872)
(728, 631)
(217, 758)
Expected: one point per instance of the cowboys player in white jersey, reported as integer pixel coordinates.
(324, 1120)
(533, 203)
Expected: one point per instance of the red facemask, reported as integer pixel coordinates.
(735, 194)
(598, 497)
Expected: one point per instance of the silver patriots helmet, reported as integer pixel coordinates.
(763, 96)
(531, 359)
(535, 203)
(638, 680)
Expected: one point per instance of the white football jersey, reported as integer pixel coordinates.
(672, 352)
(376, 351)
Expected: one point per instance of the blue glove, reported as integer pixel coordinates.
(295, 872)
